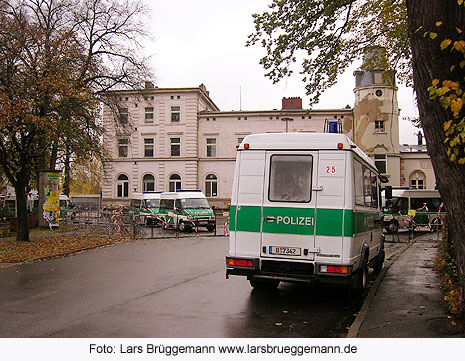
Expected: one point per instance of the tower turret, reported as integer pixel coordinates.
(376, 115)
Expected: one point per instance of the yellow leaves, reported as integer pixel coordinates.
(439, 23)
(453, 157)
(450, 84)
(459, 45)
(460, 2)
(435, 82)
(447, 125)
(445, 43)
(456, 106)
(433, 35)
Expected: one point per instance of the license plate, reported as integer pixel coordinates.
(288, 251)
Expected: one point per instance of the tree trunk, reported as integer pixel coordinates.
(67, 180)
(430, 62)
(21, 210)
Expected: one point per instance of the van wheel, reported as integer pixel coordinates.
(182, 226)
(361, 279)
(264, 284)
(378, 266)
(211, 227)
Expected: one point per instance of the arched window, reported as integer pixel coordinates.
(122, 186)
(175, 182)
(148, 183)
(417, 180)
(211, 185)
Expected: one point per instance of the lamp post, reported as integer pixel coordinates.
(287, 120)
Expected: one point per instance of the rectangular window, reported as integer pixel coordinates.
(291, 178)
(175, 147)
(149, 115)
(123, 115)
(211, 147)
(367, 187)
(379, 126)
(123, 147)
(374, 190)
(148, 147)
(381, 163)
(417, 184)
(358, 178)
(175, 114)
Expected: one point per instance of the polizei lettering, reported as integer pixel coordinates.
(296, 221)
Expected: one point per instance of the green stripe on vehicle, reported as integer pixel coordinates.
(289, 220)
(301, 221)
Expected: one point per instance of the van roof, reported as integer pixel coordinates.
(303, 141)
(146, 195)
(179, 195)
(416, 193)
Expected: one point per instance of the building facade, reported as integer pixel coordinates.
(163, 139)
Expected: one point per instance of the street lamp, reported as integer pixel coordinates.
(287, 120)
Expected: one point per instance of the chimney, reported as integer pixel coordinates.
(149, 85)
(292, 103)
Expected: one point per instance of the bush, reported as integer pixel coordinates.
(446, 268)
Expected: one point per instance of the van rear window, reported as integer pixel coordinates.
(291, 178)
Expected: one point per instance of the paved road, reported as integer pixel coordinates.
(161, 288)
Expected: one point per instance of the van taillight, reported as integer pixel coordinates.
(334, 269)
(240, 262)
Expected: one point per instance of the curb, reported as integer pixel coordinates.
(355, 327)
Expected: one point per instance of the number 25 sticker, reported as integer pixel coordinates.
(330, 169)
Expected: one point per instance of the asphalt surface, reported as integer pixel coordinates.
(176, 288)
(161, 288)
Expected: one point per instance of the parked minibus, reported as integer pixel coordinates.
(186, 209)
(305, 207)
(413, 208)
(147, 204)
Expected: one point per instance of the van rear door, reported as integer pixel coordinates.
(289, 204)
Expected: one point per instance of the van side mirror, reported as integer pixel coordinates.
(388, 192)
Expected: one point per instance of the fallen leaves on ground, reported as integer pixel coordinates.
(12, 251)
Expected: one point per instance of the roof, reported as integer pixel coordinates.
(201, 89)
(411, 148)
(303, 141)
(281, 112)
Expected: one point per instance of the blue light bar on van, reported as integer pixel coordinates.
(188, 190)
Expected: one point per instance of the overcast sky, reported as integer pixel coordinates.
(203, 41)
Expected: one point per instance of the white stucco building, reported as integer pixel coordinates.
(163, 139)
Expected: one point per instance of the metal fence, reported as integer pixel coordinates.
(128, 223)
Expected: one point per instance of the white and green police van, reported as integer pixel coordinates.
(147, 204)
(304, 207)
(414, 208)
(186, 209)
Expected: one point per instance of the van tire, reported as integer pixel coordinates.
(361, 279)
(182, 226)
(378, 265)
(264, 284)
(211, 227)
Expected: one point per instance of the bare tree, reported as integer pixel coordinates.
(56, 59)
